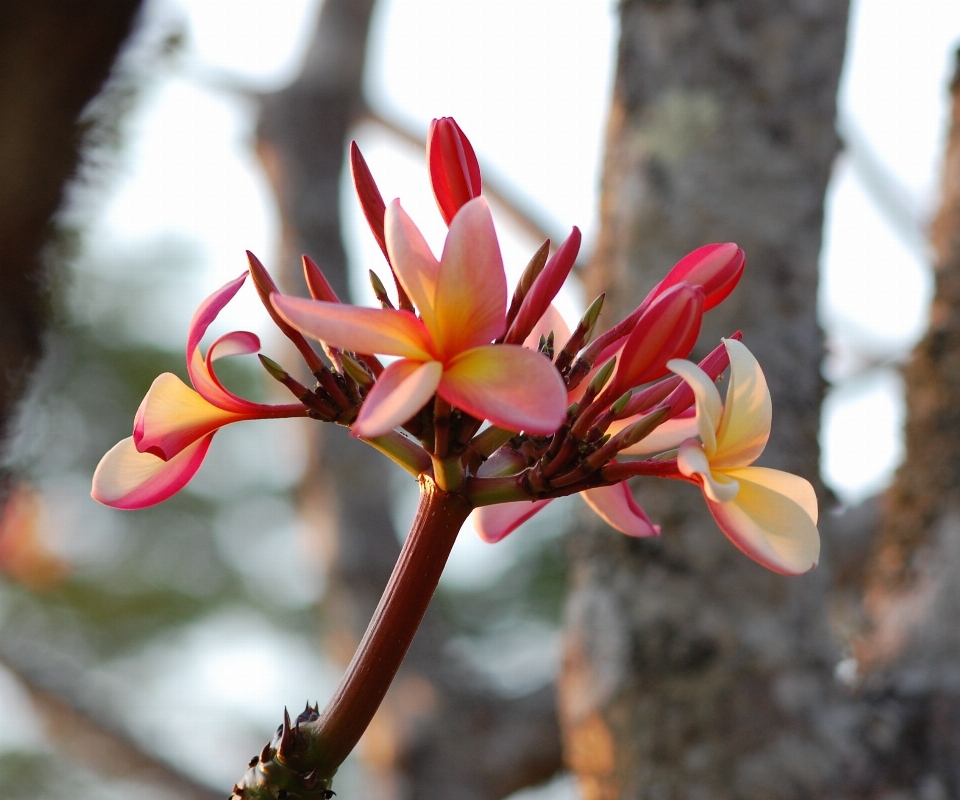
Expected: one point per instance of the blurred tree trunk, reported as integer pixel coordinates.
(54, 59)
(439, 735)
(909, 656)
(689, 671)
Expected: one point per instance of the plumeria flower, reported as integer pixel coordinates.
(176, 423)
(770, 515)
(448, 350)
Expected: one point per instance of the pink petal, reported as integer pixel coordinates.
(454, 170)
(363, 330)
(493, 523)
(412, 261)
(128, 479)
(511, 386)
(471, 297)
(207, 313)
(550, 321)
(173, 416)
(715, 267)
(545, 288)
(615, 506)
(205, 380)
(400, 392)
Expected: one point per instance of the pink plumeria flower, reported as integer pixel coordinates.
(176, 423)
(447, 350)
(770, 515)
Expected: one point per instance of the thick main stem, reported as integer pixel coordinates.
(439, 518)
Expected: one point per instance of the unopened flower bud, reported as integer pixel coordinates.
(454, 170)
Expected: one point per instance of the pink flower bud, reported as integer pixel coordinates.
(667, 329)
(545, 288)
(715, 267)
(454, 171)
(371, 201)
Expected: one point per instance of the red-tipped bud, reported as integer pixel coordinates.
(667, 329)
(545, 288)
(715, 267)
(371, 201)
(454, 170)
(317, 283)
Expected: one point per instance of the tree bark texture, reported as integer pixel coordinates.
(909, 654)
(438, 735)
(54, 59)
(689, 671)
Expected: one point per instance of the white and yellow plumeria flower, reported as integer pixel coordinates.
(770, 515)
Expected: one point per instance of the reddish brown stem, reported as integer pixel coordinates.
(385, 643)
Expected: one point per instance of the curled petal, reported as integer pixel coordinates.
(207, 313)
(363, 330)
(770, 527)
(493, 523)
(615, 506)
(400, 392)
(515, 388)
(692, 461)
(471, 298)
(173, 416)
(205, 380)
(128, 479)
(745, 425)
(709, 406)
(412, 260)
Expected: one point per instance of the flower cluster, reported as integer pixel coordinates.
(497, 400)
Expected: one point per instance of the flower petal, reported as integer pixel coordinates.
(493, 523)
(550, 321)
(513, 387)
(709, 407)
(691, 460)
(715, 267)
(205, 380)
(128, 479)
(770, 527)
(400, 392)
(471, 298)
(615, 506)
(666, 436)
(363, 330)
(789, 485)
(747, 411)
(412, 260)
(173, 416)
(207, 313)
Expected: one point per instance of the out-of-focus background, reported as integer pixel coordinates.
(178, 634)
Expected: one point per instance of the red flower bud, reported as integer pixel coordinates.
(715, 267)
(454, 171)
